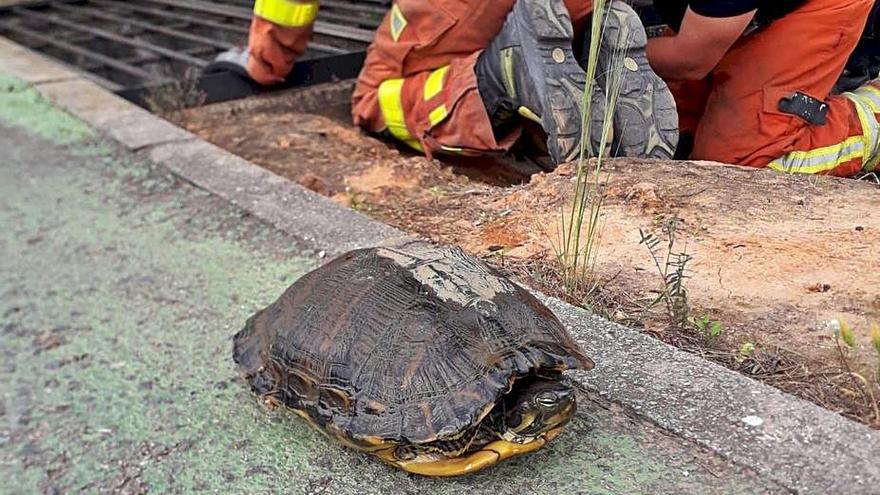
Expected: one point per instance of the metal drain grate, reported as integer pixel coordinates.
(140, 48)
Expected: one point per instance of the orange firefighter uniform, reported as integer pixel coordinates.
(734, 115)
(418, 82)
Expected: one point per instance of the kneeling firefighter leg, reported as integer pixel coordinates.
(850, 122)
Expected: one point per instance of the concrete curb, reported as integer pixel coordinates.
(316, 221)
(793, 442)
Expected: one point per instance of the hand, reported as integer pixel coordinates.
(274, 49)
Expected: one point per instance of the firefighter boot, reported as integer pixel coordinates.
(645, 117)
(529, 71)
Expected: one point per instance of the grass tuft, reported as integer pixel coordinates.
(577, 243)
(846, 333)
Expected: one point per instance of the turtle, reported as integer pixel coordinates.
(418, 353)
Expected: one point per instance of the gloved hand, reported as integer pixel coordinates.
(275, 47)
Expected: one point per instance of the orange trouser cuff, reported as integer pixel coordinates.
(274, 49)
(439, 111)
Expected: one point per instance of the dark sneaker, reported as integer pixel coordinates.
(645, 118)
(529, 70)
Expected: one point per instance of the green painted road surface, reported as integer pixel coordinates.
(120, 289)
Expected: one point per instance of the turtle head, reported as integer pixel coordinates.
(524, 420)
(536, 406)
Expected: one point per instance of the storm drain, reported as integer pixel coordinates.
(148, 48)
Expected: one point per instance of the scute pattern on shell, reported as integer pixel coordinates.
(406, 343)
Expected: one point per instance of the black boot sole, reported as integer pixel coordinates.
(545, 32)
(645, 118)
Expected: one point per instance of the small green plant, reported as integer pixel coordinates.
(356, 201)
(499, 252)
(846, 334)
(847, 349)
(875, 342)
(708, 327)
(746, 351)
(672, 268)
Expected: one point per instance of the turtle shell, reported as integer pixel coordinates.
(406, 343)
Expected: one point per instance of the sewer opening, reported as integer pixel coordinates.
(142, 47)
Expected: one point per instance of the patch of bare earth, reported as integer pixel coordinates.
(775, 257)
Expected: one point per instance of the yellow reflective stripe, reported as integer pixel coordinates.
(437, 115)
(452, 149)
(529, 114)
(287, 13)
(820, 159)
(870, 134)
(867, 100)
(398, 22)
(507, 72)
(434, 83)
(868, 94)
(392, 112)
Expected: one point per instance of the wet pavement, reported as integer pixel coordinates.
(120, 289)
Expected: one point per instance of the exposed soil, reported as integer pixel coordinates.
(775, 257)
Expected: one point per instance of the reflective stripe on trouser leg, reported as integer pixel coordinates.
(286, 12)
(867, 103)
(391, 104)
(434, 83)
(426, 108)
(863, 147)
(433, 88)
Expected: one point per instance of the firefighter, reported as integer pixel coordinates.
(462, 77)
(755, 86)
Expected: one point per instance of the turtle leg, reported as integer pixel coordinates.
(271, 401)
(489, 455)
